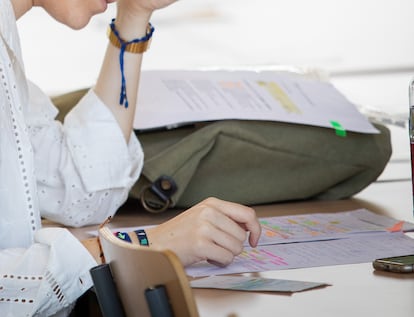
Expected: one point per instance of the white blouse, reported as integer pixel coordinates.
(77, 173)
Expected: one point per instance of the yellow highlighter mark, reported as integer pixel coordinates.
(277, 92)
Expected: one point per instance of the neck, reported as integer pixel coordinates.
(20, 7)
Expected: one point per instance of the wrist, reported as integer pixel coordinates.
(131, 27)
(151, 236)
(137, 45)
(136, 237)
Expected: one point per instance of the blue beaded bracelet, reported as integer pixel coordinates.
(142, 237)
(123, 236)
(138, 45)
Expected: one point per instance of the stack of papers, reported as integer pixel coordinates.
(301, 241)
(172, 98)
(317, 240)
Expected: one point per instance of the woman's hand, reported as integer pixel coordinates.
(141, 7)
(213, 230)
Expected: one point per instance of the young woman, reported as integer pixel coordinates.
(80, 172)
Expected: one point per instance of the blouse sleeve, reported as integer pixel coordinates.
(84, 168)
(45, 278)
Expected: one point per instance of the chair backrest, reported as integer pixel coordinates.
(137, 268)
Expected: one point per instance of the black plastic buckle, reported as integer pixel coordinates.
(156, 197)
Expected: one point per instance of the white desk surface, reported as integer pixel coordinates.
(356, 290)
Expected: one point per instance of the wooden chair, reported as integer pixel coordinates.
(136, 268)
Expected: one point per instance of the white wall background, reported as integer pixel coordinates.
(338, 36)
(366, 45)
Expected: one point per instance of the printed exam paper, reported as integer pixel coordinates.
(172, 98)
(318, 239)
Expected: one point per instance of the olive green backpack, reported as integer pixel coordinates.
(252, 162)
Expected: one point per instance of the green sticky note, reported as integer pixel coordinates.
(339, 130)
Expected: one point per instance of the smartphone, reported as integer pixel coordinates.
(398, 264)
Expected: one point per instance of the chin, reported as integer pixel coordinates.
(78, 23)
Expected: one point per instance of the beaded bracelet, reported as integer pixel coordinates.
(142, 237)
(137, 46)
(123, 236)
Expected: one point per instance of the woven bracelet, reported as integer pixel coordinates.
(137, 46)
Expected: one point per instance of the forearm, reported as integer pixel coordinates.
(94, 247)
(108, 85)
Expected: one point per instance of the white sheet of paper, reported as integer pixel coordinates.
(355, 249)
(325, 226)
(256, 284)
(316, 239)
(172, 98)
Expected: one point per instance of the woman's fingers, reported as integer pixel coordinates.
(213, 230)
(244, 216)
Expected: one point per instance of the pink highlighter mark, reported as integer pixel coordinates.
(397, 227)
(274, 258)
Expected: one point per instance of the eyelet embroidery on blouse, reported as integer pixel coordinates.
(20, 299)
(57, 291)
(20, 156)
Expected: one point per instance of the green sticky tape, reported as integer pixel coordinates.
(339, 129)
